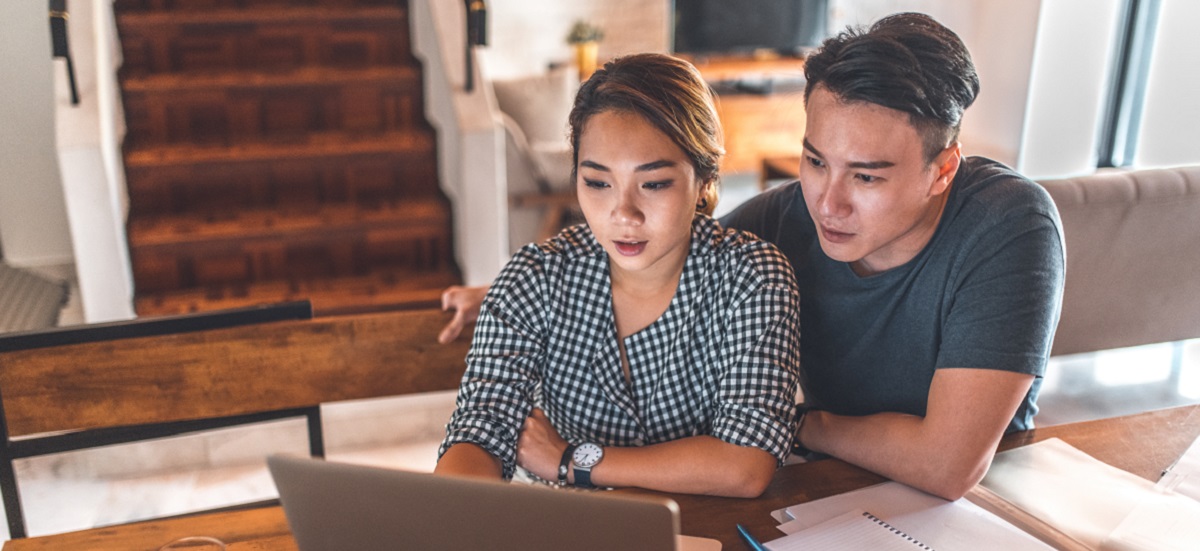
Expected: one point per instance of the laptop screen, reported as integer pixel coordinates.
(336, 506)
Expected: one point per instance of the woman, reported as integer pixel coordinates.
(648, 347)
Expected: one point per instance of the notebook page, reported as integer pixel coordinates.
(853, 530)
(938, 523)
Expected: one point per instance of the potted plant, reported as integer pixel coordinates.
(585, 38)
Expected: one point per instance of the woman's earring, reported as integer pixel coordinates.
(703, 204)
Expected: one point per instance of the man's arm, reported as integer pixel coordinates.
(465, 301)
(944, 453)
(1003, 318)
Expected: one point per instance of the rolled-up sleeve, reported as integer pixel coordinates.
(496, 394)
(760, 360)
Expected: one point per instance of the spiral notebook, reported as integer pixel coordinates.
(856, 529)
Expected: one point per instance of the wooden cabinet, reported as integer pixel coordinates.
(761, 106)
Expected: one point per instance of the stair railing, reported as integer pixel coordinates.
(58, 41)
(476, 36)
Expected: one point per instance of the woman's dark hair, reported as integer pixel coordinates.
(907, 62)
(667, 92)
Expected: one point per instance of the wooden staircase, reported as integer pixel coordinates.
(277, 150)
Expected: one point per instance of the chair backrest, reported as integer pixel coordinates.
(158, 325)
(116, 383)
(225, 372)
(1133, 255)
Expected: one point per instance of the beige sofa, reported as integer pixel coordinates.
(1133, 258)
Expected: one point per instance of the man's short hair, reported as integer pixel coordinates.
(907, 62)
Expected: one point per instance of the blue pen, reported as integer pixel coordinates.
(753, 543)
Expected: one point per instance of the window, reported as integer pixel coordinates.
(1112, 84)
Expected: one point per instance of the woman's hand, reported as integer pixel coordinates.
(466, 302)
(540, 448)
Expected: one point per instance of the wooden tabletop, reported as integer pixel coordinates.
(1143, 444)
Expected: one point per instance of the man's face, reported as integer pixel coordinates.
(875, 200)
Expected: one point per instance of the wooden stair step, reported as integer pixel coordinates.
(247, 106)
(290, 183)
(311, 145)
(175, 83)
(197, 5)
(263, 38)
(418, 216)
(247, 246)
(377, 291)
(315, 169)
(260, 14)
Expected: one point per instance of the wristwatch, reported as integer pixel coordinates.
(564, 466)
(586, 456)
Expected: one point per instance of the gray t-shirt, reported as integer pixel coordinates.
(984, 293)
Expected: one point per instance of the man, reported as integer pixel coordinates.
(930, 283)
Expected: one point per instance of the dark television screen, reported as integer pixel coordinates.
(731, 26)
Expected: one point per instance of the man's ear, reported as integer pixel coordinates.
(945, 168)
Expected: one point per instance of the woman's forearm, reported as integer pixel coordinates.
(466, 459)
(694, 465)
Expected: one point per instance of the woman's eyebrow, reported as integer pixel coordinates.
(653, 165)
(664, 163)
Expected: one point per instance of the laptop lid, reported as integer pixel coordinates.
(337, 506)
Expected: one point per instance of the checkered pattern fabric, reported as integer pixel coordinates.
(723, 360)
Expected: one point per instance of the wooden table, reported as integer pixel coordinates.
(1143, 444)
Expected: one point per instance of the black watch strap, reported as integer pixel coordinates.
(797, 447)
(564, 466)
(583, 478)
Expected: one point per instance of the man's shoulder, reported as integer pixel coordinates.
(764, 213)
(1000, 190)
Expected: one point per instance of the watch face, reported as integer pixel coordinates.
(587, 455)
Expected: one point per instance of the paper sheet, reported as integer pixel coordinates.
(940, 524)
(1099, 505)
(1184, 476)
(1069, 489)
(1169, 522)
(852, 530)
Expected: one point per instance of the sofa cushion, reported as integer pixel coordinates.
(540, 104)
(1133, 258)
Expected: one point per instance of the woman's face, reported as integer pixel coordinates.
(638, 191)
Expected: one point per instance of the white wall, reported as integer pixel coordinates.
(1067, 95)
(33, 218)
(470, 142)
(1000, 37)
(62, 197)
(89, 137)
(525, 36)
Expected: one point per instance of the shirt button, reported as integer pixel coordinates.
(639, 442)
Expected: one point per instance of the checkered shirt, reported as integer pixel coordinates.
(723, 360)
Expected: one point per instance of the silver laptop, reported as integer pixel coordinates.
(337, 506)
